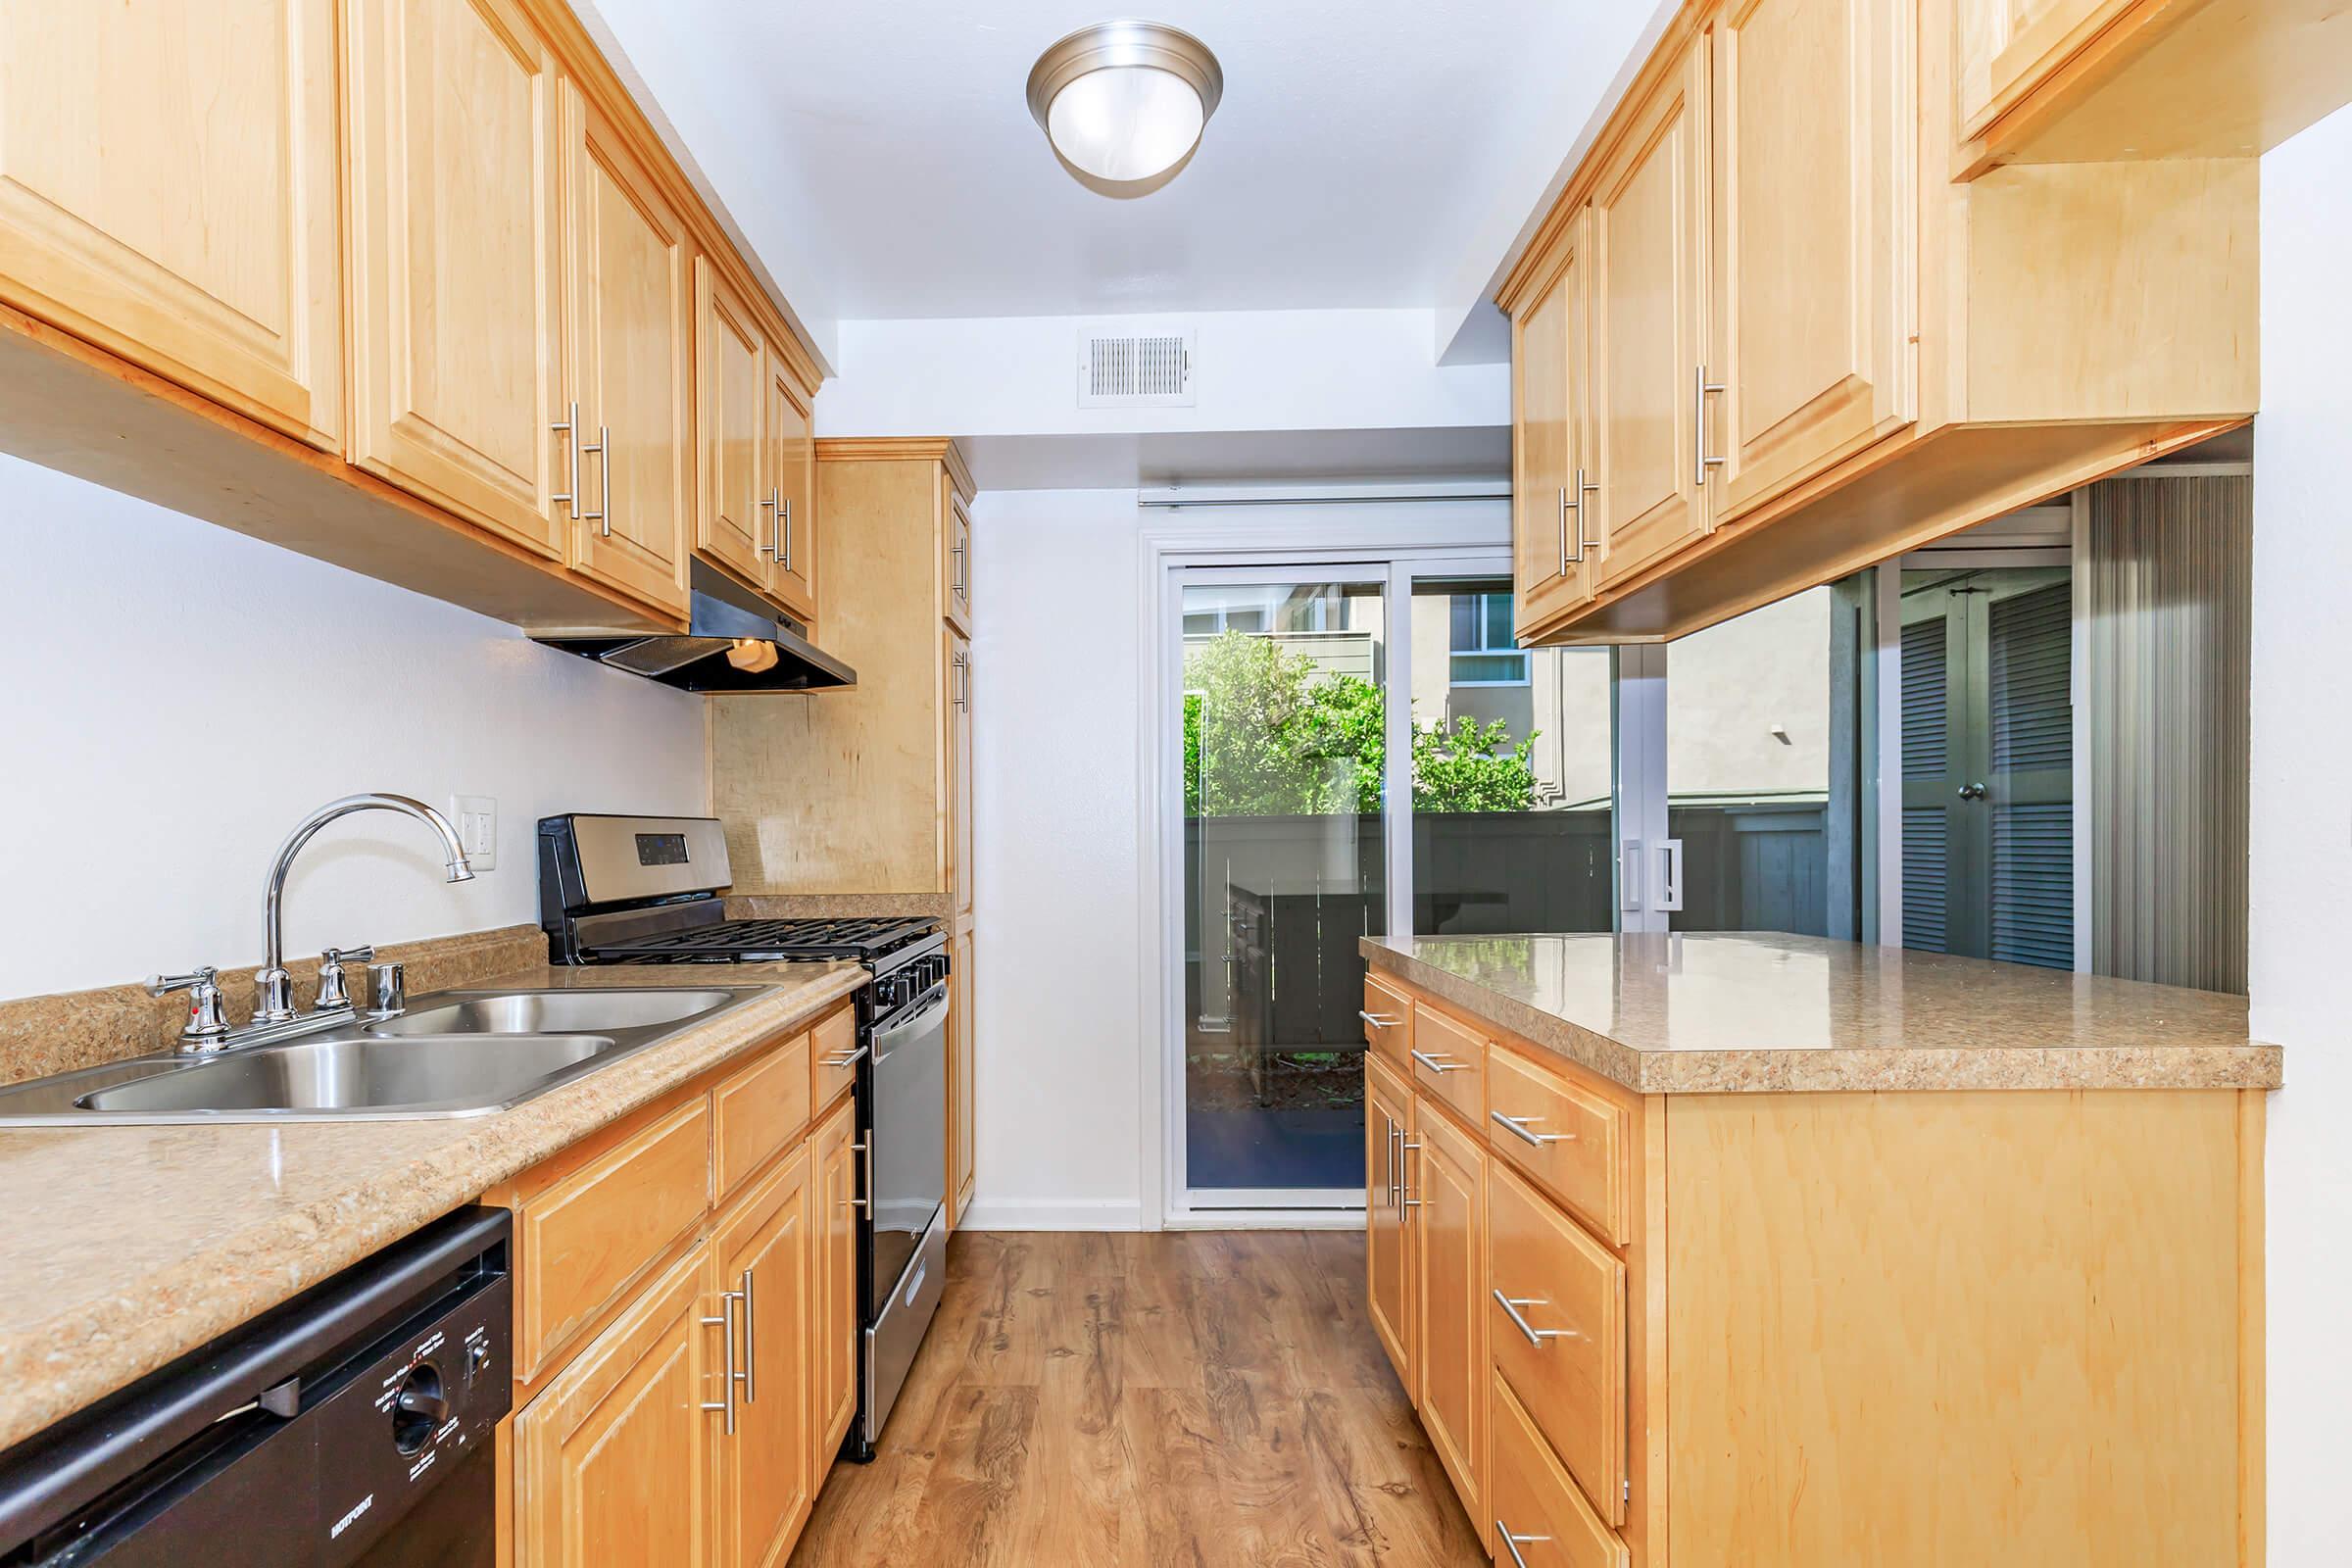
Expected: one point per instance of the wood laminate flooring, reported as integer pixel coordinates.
(1213, 1399)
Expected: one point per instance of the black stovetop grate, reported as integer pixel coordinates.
(864, 938)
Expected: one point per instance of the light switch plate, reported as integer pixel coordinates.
(475, 817)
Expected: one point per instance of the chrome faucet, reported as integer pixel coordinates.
(273, 988)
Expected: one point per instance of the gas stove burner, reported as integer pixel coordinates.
(767, 942)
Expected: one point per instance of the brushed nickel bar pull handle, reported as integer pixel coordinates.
(604, 460)
(1698, 423)
(1583, 540)
(1511, 1544)
(725, 1323)
(767, 504)
(845, 1058)
(784, 531)
(1535, 1336)
(1410, 1201)
(569, 430)
(1566, 560)
(1435, 1065)
(751, 1343)
(1518, 1124)
(1375, 1020)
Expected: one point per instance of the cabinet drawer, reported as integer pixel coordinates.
(1561, 1341)
(581, 1242)
(1449, 1061)
(1575, 1143)
(1533, 1504)
(1389, 1023)
(833, 1053)
(759, 1109)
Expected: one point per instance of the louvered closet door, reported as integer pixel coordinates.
(1988, 759)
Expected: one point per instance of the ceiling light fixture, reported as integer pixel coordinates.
(1123, 103)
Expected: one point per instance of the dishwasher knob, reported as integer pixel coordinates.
(419, 1408)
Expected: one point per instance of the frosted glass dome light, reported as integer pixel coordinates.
(1123, 103)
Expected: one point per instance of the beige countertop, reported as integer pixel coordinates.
(1709, 1012)
(127, 1246)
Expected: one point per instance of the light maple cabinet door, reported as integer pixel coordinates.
(1387, 1130)
(957, 657)
(455, 214)
(956, 564)
(168, 191)
(732, 520)
(1550, 487)
(1649, 221)
(833, 1347)
(962, 1110)
(791, 498)
(761, 1251)
(628, 461)
(1451, 1286)
(2008, 47)
(613, 1461)
(1812, 311)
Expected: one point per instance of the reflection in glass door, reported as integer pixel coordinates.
(1284, 712)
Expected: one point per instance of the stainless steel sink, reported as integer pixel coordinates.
(454, 1053)
(537, 1012)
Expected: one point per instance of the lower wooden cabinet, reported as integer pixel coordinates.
(1388, 1133)
(834, 1364)
(1449, 1180)
(612, 1462)
(1532, 1503)
(761, 1257)
(690, 1417)
(962, 1124)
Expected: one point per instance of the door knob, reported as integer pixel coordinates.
(1972, 792)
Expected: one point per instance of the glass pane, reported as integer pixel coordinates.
(1750, 752)
(1284, 748)
(1510, 775)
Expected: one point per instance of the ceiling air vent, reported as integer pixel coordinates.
(1152, 369)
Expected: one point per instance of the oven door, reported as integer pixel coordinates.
(910, 1170)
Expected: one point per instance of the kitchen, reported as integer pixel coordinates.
(1111, 1120)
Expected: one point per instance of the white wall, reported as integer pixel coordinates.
(1060, 1075)
(2300, 892)
(178, 695)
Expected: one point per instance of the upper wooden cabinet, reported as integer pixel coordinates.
(2084, 80)
(167, 190)
(1803, 356)
(1813, 312)
(456, 355)
(1650, 236)
(629, 460)
(957, 569)
(1552, 460)
(791, 498)
(731, 403)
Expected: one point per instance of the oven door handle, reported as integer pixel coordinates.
(933, 1005)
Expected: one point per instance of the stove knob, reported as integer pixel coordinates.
(419, 1408)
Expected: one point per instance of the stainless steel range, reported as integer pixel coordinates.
(645, 890)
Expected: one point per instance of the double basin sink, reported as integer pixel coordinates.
(453, 1053)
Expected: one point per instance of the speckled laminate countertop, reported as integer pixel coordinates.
(1711, 1013)
(126, 1247)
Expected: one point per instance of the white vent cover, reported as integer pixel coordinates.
(1152, 369)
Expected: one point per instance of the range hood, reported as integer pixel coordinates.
(733, 643)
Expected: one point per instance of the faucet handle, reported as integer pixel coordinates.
(332, 992)
(391, 988)
(206, 1025)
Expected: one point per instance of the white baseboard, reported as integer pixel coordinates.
(1053, 1214)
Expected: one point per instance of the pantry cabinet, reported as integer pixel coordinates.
(168, 191)
(1652, 385)
(457, 359)
(962, 1110)
(625, 444)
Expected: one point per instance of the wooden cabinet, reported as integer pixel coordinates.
(962, 1108)
(955, 712)
(833, 1221)
(1533, 1498)
(453, 212)
(1449, 1063)
(625, 488)
(1448, 1173)
(759, 1109)
(732, 522)
(955, 571)
(1649, 376)
(791, 497)
(1552, 464)
(612, 1462)
(1387, 1135)
(1811, 350)
(168, 191)
(1813, 306)
(763, 1253)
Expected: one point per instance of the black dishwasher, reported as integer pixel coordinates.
(348, 1428)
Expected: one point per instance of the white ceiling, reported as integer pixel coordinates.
(1339, 171)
